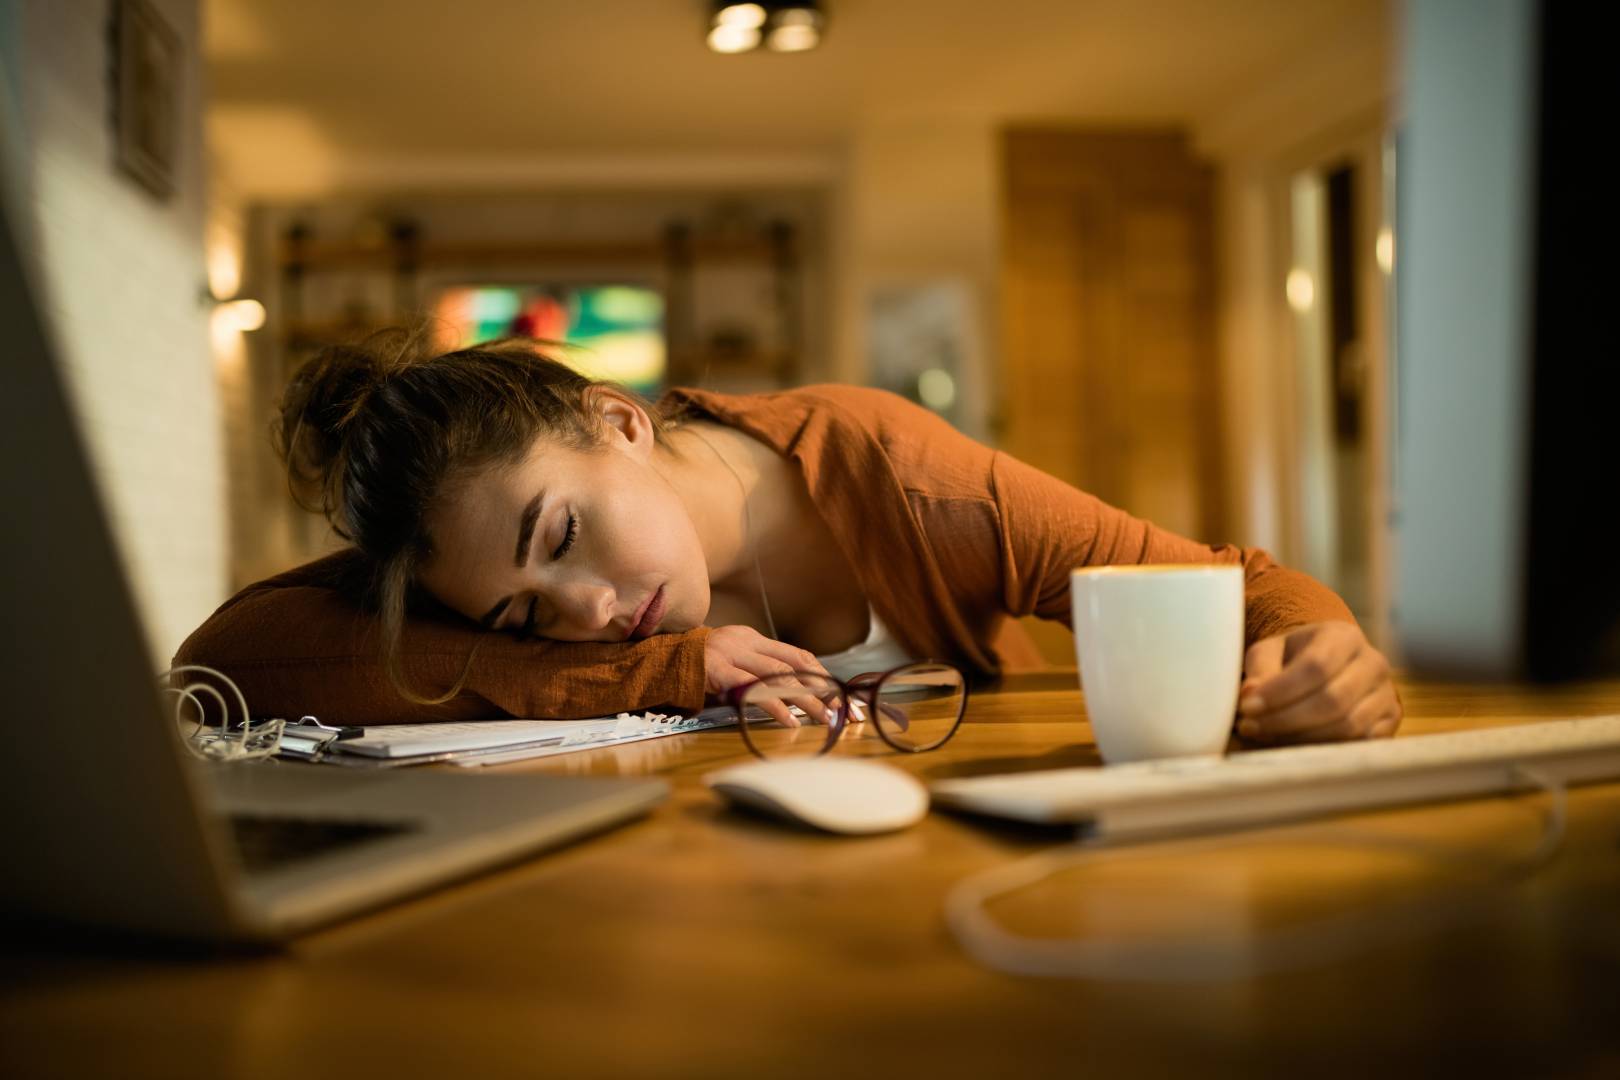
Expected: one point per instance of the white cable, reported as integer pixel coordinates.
(189, 694)
(1189, 961)
(251, 740)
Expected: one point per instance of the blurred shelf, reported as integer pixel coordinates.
(394, 260)
(312, 255)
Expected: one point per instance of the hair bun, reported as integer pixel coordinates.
(317, 410)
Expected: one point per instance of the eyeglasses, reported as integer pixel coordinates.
(913, 708)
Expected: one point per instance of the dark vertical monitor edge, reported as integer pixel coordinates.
(1572, 580)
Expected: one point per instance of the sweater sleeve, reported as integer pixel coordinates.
(297, 643)
(1050, 528)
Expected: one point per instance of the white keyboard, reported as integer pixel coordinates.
(1260, 786)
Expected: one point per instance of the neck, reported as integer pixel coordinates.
(812, 595)
(696, 467)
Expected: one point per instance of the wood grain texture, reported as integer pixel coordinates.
(702, 942)
(1109, 357)
(1109, 362)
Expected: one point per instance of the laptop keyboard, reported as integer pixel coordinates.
(272, 843)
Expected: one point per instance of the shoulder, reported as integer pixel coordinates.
(883, 416)
(869, 433)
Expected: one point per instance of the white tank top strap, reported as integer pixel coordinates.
(879, 652)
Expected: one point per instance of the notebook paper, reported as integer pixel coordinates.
(482, 738)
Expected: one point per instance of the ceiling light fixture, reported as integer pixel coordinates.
(748, 16)
(795, 29)
(780, 25)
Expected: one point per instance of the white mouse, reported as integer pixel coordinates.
(838, 794)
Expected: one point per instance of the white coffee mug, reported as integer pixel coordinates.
(1161, 656)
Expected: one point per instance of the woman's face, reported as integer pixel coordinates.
(572, 545)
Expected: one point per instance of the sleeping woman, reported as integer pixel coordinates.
(527, 542)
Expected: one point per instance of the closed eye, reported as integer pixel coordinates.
(568, 536)
(527, 629)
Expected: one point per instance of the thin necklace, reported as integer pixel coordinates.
(748, 532)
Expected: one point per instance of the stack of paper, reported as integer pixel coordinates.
(485, 742)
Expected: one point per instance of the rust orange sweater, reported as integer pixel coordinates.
(947, 537)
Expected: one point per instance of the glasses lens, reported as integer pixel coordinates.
(796, 715)
(918, 706)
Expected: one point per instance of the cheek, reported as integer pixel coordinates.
(645, 529)
(670, 549)
(697, 608)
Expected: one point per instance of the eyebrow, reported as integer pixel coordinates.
(526, 523)
(531, 514)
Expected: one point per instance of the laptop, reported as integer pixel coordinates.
(115, 824)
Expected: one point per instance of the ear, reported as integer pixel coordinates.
(625, 424)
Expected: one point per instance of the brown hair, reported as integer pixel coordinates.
(373, 433)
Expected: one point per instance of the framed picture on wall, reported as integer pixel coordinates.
(919, 336)
(147, 65)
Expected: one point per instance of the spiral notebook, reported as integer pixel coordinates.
(487, 742)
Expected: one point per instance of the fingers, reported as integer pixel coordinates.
(784, 685)
(1371, 714)
(739, 655)
(1389, 721)
(1312, 658)
(779, 712)
(1332, 702)
(784, 688)
(1316, 684)
(813, 703)
(1262, 661)
(781, 663)
(794, 657)
(772, 706)
(763, 657)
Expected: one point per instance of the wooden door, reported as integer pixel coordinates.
(1109, 349)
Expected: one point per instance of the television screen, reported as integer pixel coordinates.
(617, 331)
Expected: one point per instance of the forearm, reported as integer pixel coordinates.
(296, 649)
(1050, 529)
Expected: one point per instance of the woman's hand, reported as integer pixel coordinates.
(735, 655)
(1317, 683)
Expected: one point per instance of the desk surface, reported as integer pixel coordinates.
(700, 941)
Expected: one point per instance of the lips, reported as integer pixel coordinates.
(650, 615)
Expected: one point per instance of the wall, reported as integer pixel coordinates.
(1319, 102)
(919, 201)
(123, 277)
(1279, 460)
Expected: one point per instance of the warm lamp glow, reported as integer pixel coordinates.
(224, 270)
(795, 29)
(747, 16)
(1301, 290)
(239, 315)
(733, 38)
(1384, 248)
(792, 26)
(793, 38)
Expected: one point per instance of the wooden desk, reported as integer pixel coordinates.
(701, 942)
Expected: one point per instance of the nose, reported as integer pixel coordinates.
(587, 605)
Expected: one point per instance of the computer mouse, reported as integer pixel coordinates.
(837, 794)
